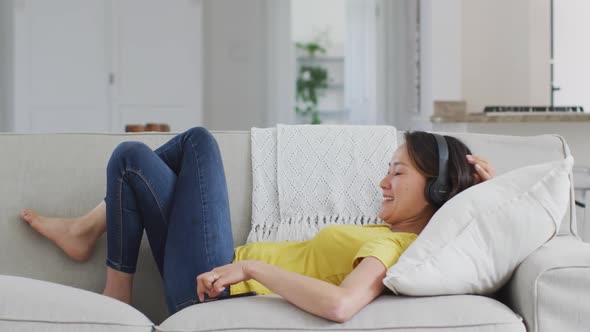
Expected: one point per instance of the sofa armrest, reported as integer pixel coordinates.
(551, 288)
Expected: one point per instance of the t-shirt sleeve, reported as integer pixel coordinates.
(385, 250)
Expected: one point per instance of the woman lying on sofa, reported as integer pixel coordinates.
(178, 195)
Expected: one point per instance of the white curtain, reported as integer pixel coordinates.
(382, 61)
(361, 61)
(399, 62)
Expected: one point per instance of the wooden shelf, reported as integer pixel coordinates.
(501, 118)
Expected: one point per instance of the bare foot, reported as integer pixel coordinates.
(67, 233)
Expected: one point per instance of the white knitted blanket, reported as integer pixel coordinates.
(306, 177)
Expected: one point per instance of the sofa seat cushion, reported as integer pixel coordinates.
(35, 305)
(386, 313)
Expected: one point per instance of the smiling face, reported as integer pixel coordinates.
(405, 184)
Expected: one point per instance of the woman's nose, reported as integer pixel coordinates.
(384, 184)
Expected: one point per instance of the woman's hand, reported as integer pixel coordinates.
(483, 169)
(215, 281)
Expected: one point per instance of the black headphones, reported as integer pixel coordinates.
(437, 190)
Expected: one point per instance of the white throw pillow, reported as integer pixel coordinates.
(474, 242)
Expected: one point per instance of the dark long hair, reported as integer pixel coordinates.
(423, 152)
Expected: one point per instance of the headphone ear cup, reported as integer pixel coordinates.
(433, 193)
(428, 191)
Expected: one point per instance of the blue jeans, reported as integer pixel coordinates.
(178, 195)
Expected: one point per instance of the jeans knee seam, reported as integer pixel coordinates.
(149, 185)
(204, 202)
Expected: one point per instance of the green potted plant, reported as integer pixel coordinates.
(312, 80)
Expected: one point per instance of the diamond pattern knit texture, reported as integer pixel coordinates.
(306, 177)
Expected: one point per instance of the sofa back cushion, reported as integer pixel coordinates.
(511, 152)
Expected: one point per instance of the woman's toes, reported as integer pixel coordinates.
(60, 231)
(26, 215)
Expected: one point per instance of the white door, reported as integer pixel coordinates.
(156, 62)
(571, 53)
(61, 66)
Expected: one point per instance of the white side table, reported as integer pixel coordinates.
(582, 189)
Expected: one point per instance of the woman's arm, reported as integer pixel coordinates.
(336, 303)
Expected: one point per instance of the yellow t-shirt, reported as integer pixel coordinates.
(330, 256)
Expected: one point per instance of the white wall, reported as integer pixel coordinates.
(505, 50)
(234, 64)
(6, 72)
(486, 52)
(441, 56)
(504, 59)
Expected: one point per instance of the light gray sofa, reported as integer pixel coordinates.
(64, 175)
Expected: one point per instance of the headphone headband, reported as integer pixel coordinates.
(437, 191)
(443, 158)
